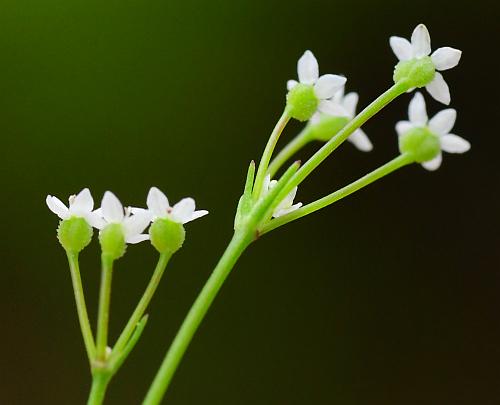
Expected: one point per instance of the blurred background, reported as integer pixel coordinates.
(391, 296)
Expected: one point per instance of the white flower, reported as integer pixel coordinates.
(308, 71)
(286, 206)
(182, 212)
(112, 212)
(440, 125)
(420, 47)
(80, 205)
(341, 105)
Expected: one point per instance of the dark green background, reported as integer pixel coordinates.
(391, 297)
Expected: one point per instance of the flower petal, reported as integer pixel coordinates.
(83, 202)
(350, 102)
(157, 202)
(136, 223)
(443, 121)
(416, 110)
(401, 48)
(454, 144)
(285, 211)
(446, 57)
(328, 85)
(331, 108)
(112, 208)
(290, 84)
(183, 210)
(439, 90)
(434, 163)
(307, 68)
(420, 41)
(196, 215)
(95, 219)
(57, 207)
(136, 238)
(402, 127)
(360, 140)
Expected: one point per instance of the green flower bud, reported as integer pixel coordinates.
(325, 129)
(301, 102)
(167, 236)
(74, 234)
(112, 241)
(420, 143)
(419, 72)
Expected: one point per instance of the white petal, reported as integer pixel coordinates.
(95, 220)
(136, 223)
(339, 96)
(285, 211)
(402, 127)
(265, 184)
(360, 140)
(196, 215)
(157, 202)
(316, 117)
(454, 144)
(287, 201)
(443, 121)
(446, 58)
(416, 110)
(328, 85)
(136, 239)
(350, 102)
(331, 108)
(434, 163)
(290, 84)
(183, 210)
(83, 202)
(57, 207)
(307, 68)
(421, 41)
(401, 48)
(112, 208)
(439, 89)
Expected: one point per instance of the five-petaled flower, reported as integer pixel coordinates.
(286, 205)
(80, 205)
(438, 126)
(182, 212)
(324, 86)
(419, 48)
(112, 212)
(344, 105)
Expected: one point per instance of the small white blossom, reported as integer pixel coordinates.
(286, 206)
(420, 47)
(182, 212)
(341, 105)
(325, 86)
(112, 212)
(440, 125)
(80, 205)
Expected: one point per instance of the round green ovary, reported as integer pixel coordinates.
(420, 143)
(301, 102)
(327, 127)
(112, 241)
(166, 235)
(74, 234)
(418, 72)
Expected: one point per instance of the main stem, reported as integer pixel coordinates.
(143, 303)
(98, 391)
(81, 307)
(389, 167)
(380, 102)
(236, 247)
(104, 302)
(268, 152)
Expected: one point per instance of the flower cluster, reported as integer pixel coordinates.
(131, 222)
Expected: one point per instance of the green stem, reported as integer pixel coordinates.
(380, 102)
(143, 303)
(397, 163)
(268, 152)
(104, 302)
(100, 383)
(297, 143)
(236, 247)
(81, 307)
